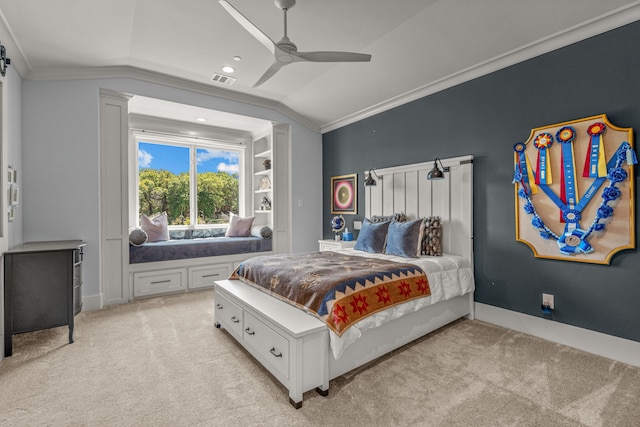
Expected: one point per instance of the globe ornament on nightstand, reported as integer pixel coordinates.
(337, 225)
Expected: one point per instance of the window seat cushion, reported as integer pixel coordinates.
(196, 248)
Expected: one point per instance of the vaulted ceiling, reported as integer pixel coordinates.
(418, 46)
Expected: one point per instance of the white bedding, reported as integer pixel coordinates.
(449, 276)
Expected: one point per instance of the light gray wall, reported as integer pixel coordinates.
(61, 162)
(14, 146)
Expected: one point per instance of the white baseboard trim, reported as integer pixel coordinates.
(92, 302)
(620, 349)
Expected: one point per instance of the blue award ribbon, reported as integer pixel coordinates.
(523, 174)
(588, 195)
(570, 191)
(574, 242)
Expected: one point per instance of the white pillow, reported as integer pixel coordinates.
(239, 227)
(156, 227)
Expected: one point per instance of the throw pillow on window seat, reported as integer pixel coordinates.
(137, 236)
(156, 227)
(239, 227)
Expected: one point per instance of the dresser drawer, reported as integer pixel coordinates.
(229, 314)
(158, 282)
(271, 346)
(205, 277)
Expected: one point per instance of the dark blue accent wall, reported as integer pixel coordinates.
(485, 117)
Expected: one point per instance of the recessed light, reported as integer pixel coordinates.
(237, 58)
(201, 119)
(228, 69)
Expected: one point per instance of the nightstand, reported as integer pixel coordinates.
(332, 245)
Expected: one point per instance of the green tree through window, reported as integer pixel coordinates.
(165, 182)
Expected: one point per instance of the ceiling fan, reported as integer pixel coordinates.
(285, 51)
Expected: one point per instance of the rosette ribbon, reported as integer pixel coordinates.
(543, 172)
(523, 173)
(574, 242)
(595, 165)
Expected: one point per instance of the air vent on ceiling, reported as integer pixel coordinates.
(225, 80)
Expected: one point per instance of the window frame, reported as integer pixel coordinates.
(193, 144)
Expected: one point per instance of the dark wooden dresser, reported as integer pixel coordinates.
(42, 287)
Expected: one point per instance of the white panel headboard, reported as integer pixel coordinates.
(407, 189)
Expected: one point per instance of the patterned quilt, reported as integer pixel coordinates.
(338, 289)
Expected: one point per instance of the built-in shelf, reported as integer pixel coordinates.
(263, 211)
(265, 154)
(263, 191)
(264, 172)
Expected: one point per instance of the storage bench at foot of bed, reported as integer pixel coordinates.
(291, 344)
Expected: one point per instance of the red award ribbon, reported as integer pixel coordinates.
(595, 165)
(543, 172)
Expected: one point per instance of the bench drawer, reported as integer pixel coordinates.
(271, 346)
(158, 282)
(229, 314)
(205, 277)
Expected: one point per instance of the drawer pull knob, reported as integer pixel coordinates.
(249, 331)
(219, 306)
(274, 352)
(157, 282)
(234, 319)
(210, 275)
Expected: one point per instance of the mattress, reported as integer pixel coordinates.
(449, 276)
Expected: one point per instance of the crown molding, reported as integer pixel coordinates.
(612, 20)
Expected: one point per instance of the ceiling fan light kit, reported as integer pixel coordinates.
(285, 51)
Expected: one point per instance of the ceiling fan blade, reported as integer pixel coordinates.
(333, 56)
(249, 26)
(270, 72)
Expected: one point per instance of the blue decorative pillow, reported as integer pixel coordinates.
(372, 236)
(404, 239)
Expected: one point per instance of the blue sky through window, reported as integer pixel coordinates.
(176, 159)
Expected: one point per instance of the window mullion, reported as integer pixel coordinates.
(193, 187)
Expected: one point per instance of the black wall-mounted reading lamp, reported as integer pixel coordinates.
(369, 181)
(436, 173)
(4, 61)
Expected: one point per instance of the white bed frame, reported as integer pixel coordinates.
(301, 358)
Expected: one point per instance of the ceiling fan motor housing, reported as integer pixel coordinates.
(285, 4)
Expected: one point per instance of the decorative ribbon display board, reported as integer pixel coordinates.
(574, 190)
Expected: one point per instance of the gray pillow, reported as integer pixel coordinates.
(372, 236)
(137, 236)
(404, 239)
(261, 231)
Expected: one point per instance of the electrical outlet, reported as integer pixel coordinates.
(357, 225)
(548, 300)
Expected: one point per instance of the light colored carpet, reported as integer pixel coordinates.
(161, 362)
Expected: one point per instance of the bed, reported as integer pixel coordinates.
(304, 351)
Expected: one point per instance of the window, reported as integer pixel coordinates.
(195, 183)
